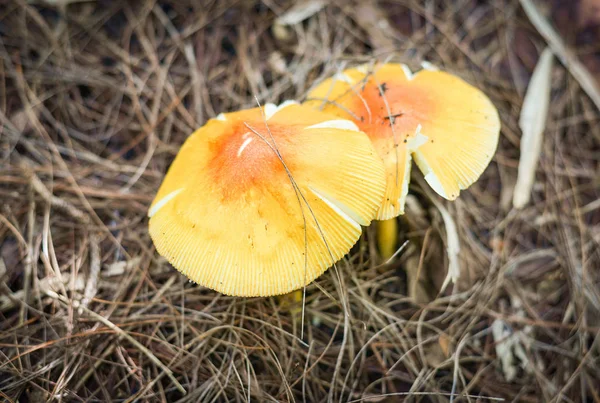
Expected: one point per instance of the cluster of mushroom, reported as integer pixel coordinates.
(262, 201)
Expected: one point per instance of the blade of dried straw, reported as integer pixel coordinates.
(123, 334)
(533, 122)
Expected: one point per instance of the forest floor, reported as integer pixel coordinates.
(97, 96)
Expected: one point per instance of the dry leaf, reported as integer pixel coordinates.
(511, 345)
(277, 63)
(436, 353)
(445, 344)
(300, 11)
(374, 21)
(533, 122)
(120, 267)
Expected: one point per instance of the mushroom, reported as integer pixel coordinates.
(262, 201)
(449, 127)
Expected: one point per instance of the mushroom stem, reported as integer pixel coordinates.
(291, 302)
(387, 237)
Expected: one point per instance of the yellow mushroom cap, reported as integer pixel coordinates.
(262, 202)
(449, 127)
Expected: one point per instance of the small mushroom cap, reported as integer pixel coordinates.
(449, 127)
(262, 202)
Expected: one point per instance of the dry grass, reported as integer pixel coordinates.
(97, 96)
